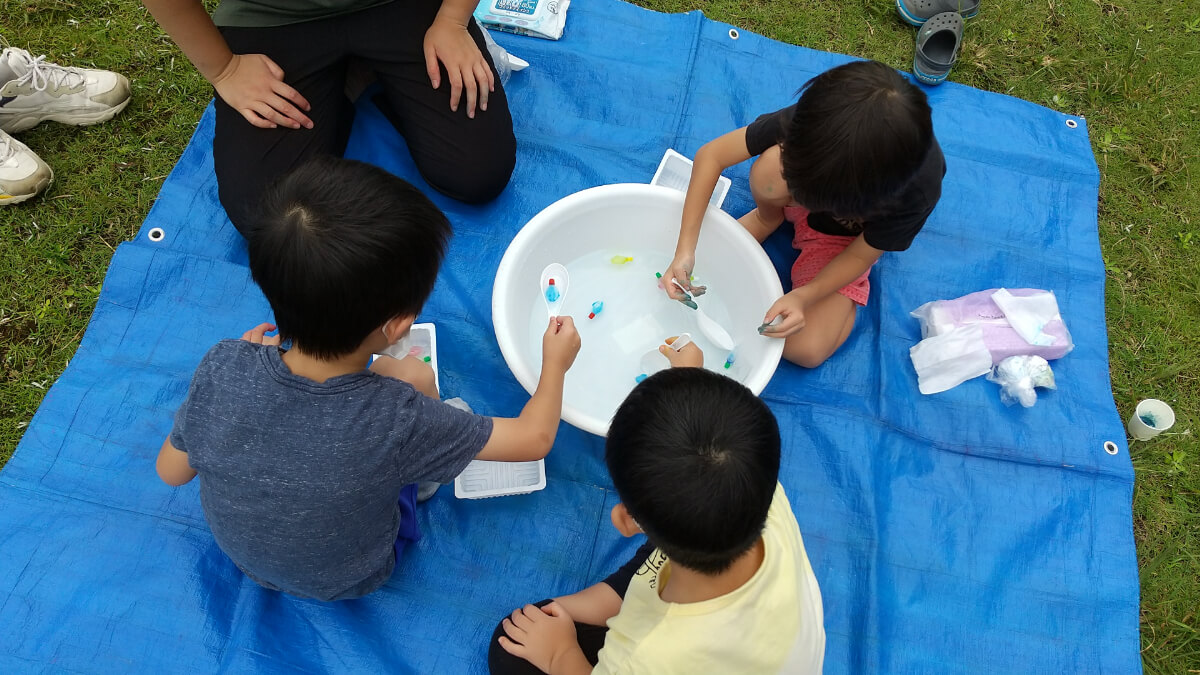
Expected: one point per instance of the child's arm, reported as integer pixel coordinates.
(845, 268)
(408, 369)
(530, 436)
(594, 605)
(711, 159)
(251, 84)
(172, 465)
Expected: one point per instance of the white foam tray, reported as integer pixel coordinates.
(675, 171)
(423, 335)
(499, 479)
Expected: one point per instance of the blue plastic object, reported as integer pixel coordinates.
(948, 533)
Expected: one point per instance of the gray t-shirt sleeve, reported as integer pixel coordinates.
(442, 441)
(180, 434)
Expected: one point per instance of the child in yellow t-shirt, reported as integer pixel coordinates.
(723, 584)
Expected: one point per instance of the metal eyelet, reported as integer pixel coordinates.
(156, 234)
(1111, 448)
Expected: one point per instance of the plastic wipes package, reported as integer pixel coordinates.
(537, 18)
(1028, 324)
(1020, 376)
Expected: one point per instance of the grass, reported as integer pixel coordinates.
(1129, 66)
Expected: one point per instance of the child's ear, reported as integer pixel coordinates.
(397, 327)
(624, 522)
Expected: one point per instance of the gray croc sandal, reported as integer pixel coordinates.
(937, 47)
(917, 12)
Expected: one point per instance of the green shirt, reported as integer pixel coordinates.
(265, 13)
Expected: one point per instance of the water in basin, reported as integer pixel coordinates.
(636, 318)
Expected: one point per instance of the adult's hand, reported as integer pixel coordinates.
(448, 42)
(253, 85)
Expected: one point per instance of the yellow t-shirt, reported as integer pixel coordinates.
(772, 624)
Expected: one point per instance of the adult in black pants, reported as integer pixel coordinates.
(279, 70)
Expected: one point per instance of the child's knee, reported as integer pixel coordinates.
(805, 353)
(766, 179)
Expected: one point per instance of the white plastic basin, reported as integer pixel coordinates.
(583, 231)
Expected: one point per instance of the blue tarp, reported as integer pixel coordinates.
(948, 533)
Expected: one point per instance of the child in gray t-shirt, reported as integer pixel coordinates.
(307, 457)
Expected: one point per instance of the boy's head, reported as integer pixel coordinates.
(695, 459)
(859, 134)
(339, 248)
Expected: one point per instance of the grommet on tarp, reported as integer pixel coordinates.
(733, 34)
(1110, 447)
(156, 234)
(1072, 124)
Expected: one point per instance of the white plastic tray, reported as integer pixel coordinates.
(422, 336)
(675, 171)
(498, 479)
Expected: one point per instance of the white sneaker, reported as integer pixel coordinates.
(33, 90)
(22, 173)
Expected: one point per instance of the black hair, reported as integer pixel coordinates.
(859, 134)
(694, 457)
(339, 247)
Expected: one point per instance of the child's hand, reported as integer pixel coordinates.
(791, 307)
(690, 356)
(253, 85)
(680, 270)
(544, 637)
(560, 344)
(257, 335)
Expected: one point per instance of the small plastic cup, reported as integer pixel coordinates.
(1150, 418)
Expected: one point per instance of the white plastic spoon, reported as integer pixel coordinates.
(710, 328)
(558, 290)
(654, 361)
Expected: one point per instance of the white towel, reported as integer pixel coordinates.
(946, 361)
